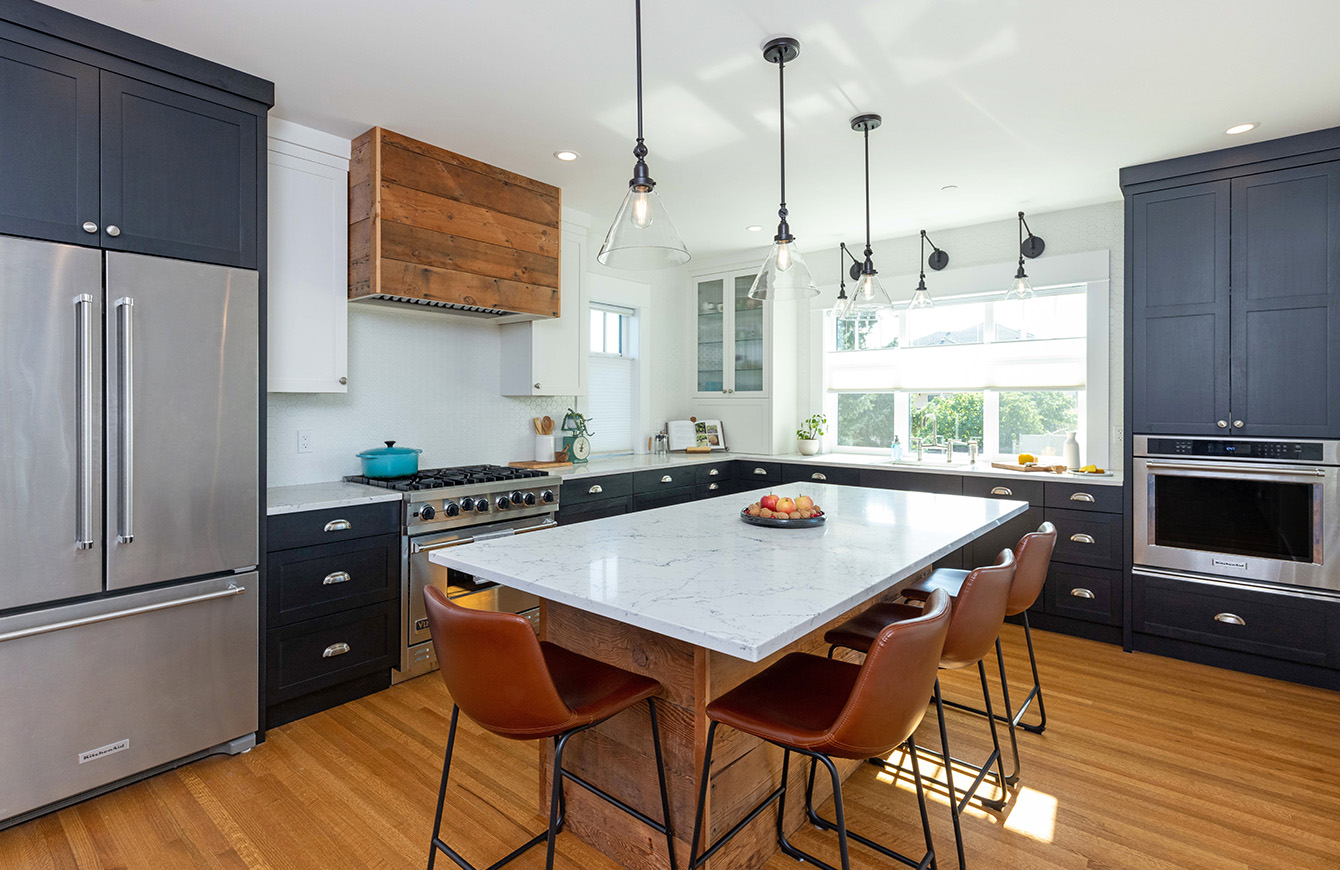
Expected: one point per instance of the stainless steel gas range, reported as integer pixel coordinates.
(452, 507)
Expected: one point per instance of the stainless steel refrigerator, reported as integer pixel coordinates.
(129, 517)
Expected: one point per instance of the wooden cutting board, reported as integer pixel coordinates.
(531, 463)
(1054, 469)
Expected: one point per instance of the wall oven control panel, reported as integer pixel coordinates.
(1287, 451)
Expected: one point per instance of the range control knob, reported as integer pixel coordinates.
(503, 503)
(547, 496)
(516, 497)
(467, 504)
(451, 509)
(426, 512)
(529, 499)
(481, 506)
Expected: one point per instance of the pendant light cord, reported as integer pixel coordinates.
(641, 150)
(781, 100)
(923, 256)
(867, 192)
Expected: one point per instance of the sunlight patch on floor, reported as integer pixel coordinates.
(1033, 814)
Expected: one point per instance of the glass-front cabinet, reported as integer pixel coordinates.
(732, 336)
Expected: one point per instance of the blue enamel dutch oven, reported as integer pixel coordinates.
(390, 461)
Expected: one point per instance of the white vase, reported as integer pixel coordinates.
(1071, 452)
(807, 446)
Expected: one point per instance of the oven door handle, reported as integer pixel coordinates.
(417, 548)
(1238, 469)
(428, 548)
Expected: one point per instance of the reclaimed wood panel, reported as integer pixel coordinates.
(430, 248)
(399, 278)
(419, 171)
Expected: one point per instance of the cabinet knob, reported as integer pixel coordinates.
(1237, 424)
(335, 577)
(1081, 496)
(343, 381)
(90, 227)
(537, 385)
(113, 230)
(1081, 592)
(1222, 424)
(1081, 538)
(1001, 490)
(1229, 619)
(335, 649)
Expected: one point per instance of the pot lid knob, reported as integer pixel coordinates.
(390, 444)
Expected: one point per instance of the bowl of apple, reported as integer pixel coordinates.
(783, 512)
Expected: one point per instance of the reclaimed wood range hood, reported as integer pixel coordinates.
(432, 228)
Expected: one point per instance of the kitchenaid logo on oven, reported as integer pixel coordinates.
(1239, 564)
(110, 748)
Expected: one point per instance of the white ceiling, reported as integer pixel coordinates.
(1031, 104)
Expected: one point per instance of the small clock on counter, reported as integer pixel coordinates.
(576, 436)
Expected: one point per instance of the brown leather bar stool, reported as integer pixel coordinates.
(825, 709)
(515, 686)
(1032, 559)
(978, 613)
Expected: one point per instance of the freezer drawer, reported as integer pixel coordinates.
(102, 690)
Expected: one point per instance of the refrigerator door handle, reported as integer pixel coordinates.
(232, 589)
(83, 313)
(125, 363)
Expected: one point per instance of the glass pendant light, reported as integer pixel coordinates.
(784, 275)
(1030, 247)
(869, 297)
(921, 297)
(642, 235)
(841, 309)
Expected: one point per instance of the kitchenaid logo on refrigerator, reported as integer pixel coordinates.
(109, 749)
(1240, 564)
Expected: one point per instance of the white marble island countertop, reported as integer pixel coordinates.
(697, 573)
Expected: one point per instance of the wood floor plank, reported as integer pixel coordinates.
(1146, 763)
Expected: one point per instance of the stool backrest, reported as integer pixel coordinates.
(493, 668)
(889, 698)
(1032, 558)
(979, 612)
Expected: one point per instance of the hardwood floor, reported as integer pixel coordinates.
(1146, 763)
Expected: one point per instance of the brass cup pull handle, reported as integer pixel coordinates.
(1001, 490)
(713, 487)
(1081, 496)
(818, 475)
(1081, 538)
(339, 526)
(335, 649)
(714, 472)
(335, 577)
(1081, 592)
(665, 478)
(762, 471)
(1229, 619)
(595, 489)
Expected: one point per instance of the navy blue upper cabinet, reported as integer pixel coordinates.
(178, 175)
(48, 146)
(1286, 303)
(1180, 294)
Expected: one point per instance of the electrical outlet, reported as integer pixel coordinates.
(304, 440)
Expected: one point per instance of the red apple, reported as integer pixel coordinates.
(768, 501)
(784, 505)
(805, 503)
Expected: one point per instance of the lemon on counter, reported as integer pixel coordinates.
(1025, 458)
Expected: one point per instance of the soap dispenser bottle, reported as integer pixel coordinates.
(895, 449)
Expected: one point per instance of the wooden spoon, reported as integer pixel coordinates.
(548, 425)
(535, 421)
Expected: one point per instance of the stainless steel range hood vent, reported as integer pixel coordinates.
(443, 307)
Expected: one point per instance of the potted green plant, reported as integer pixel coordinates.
(809, 433)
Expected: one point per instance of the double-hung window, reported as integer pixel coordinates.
(612, 379)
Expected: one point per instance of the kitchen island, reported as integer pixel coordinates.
(697, 599)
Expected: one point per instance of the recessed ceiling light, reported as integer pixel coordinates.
(567, 155)
(1241, 128)
(949, 188)
(755, 228)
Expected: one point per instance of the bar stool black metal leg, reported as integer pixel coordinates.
(1013, 778)
(997, 757)
(949, 774)
(556, 800)
(838, 809)
(921, 804)
(1037, 684)
(442, 790)
(702, 797)
(660, 772)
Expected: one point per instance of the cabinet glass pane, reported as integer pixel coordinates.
(748, 338)
(711, 336)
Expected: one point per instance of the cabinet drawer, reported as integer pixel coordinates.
(655, 480)
(984, 550)
(1086, 538)
(594, 510)
(311, 655)
(317, 581)
(1079, 497)
(668, 496)
(715, 472)
(309, 528)
(1264, 623)
(576, 490)
(1012, 488)
(714, 489)
(820, 474)
(1080, 592)
(757, 475)
(912, 481)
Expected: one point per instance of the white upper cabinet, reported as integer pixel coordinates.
(544, 357)
(732, 337)
(308, 350)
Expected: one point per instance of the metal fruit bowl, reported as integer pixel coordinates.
(778, 523)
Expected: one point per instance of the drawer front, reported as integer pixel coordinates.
(647, 501)
(1015, 489)
(912, 481)
(655, 480)
(576, 490)
(1086, 538)
(311, 655)
(757, 475)
(1078, 497)
(317, 581)
(1080, 592)
(983, 550)
(309, 528)
(1263, 623)
(594, 510)
(715, 472)
(714, 489)
(792, 473)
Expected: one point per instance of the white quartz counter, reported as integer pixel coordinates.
(637, 462)
(697, 573)
(321, 496)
